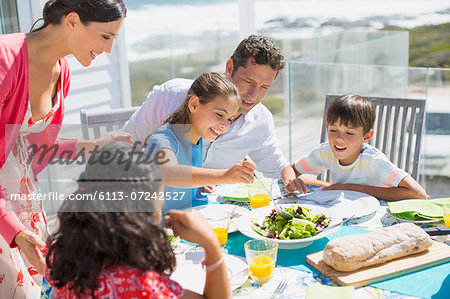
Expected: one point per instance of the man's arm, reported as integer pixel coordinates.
(268, 157)
(161, 102)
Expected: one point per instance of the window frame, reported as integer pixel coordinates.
(9, 12)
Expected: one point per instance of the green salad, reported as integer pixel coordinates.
(171, 237)
(303, 225)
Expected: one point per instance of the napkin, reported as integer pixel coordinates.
(418, 209)
(320, 291)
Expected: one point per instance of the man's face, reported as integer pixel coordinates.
(253, 82)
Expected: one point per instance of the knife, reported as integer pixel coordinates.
(436, 231)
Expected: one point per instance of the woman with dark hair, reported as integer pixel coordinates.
(112, 251)
(34, 81)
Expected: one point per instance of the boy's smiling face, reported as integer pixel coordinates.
(346, 141)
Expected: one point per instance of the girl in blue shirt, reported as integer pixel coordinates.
(208, 110)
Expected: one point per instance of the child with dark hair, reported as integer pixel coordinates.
(353, 163)
(112, 251)
(207, 112)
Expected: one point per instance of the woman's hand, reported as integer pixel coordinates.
(30, 244)
(111, 137)
(86, 147)
(241, 172)
(192, 227)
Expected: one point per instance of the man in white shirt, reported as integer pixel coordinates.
(253, 66)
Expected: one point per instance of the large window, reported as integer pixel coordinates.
(9, 22)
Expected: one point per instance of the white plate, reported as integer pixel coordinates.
(239, 192)
(259, 214)
(413, 221)
(236, 213)
(347, 203)
(190, 274)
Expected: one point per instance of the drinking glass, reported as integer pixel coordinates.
(219, 221)
(446, 208)
(257, 194)
(261, 256)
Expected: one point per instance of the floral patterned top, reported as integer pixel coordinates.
(19, 278)
(127, 282)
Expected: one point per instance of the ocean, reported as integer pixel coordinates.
(149, 21)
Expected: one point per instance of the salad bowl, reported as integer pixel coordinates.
(257, 216)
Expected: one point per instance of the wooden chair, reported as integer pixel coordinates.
(397, 131)
(102, 122)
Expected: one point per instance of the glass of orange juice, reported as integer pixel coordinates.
(446, 208)
(257, 194)
(219, 221)
(261, 256)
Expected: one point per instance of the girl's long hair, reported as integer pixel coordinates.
(87, 10)
(88, 241)
(207, 87)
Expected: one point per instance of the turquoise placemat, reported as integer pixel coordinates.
(433, 282)
(294, 258)
(429, 283)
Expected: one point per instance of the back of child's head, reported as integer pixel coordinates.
(110, 231)
(207, 87)
(352, 109)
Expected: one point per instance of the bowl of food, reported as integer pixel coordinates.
(309, 223)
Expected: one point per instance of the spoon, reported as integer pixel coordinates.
(279, 210)
(234, 214)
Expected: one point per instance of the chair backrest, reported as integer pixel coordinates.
(101, 122)
(397, 130)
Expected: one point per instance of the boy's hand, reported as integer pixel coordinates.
(295, 184)
(335, 186)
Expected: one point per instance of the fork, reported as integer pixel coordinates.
(280, 288)
(234, 214)
(342, 222)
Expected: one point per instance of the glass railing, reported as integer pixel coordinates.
(367, 63)
(372, 68)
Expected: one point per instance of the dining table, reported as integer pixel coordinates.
(291, 264)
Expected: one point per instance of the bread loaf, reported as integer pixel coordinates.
(353, 252)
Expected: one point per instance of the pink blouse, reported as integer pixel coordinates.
(14, 97)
